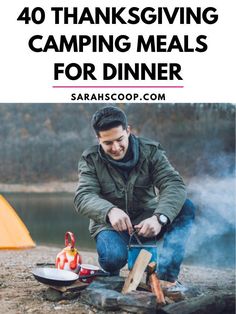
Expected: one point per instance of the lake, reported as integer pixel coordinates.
(49, 216)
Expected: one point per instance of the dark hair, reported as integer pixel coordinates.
(108, 118)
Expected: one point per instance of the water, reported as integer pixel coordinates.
(49, 216)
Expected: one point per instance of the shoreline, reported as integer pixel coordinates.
(70, 187)
(46, 187)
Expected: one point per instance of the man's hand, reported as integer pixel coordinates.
(149, 227)
(119, 220)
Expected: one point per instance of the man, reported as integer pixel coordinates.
(117, 190)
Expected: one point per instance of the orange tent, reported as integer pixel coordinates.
(13, 232)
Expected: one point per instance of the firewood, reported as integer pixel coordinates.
(151, 267)
(156, 289)
(135, 275)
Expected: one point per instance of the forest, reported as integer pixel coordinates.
(41, 142)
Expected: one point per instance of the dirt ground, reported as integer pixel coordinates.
(21, 293)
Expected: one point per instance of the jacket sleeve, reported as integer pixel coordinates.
(88, 200)
(172, 191)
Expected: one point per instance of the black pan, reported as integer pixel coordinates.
(54, 276)
(58, 277)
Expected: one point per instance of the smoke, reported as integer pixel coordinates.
(212, 240)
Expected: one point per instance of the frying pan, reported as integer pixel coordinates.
(54, 276)
(58, 277)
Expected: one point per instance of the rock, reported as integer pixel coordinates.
(32, 310)
(53, 295)
(57, 308)
(138, 302)
(98, 285)
(70, 295)
(101, 298)
(217, 304)
(193, 291)
(169, 301)
(102, 295)
(63, 302)
(89, 310)
(112, 283)
(175, 296)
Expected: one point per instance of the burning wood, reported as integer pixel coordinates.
(154, 283)
(156, 289)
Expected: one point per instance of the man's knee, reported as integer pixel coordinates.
(112, 250)
(112, 260)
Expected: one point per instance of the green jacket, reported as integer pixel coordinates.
(101, 187)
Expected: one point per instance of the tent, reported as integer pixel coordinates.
(13, 232)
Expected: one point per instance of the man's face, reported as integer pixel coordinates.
(115, 142)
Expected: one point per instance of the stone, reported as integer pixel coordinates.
(98, 285)
(112, 283)
(175, 296)
(33, 310)
(217, 304)
(105, 299)
(138, 302)
(102, 295)
(63, 302)
(70, 295)
(169, 301)
(193, 291)
(53, 295)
